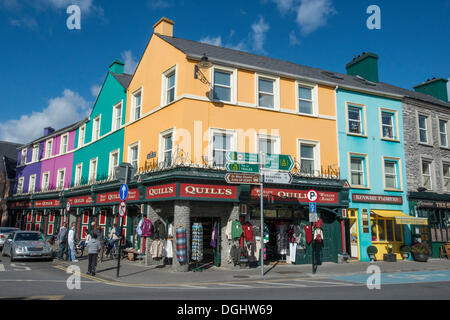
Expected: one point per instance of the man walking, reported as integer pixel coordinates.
(71, 241)
(62, 238)
(100, 238)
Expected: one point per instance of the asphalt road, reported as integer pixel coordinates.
(34, 280)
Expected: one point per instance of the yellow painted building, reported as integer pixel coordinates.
(177, 117)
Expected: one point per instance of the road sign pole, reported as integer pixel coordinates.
(121, 233)
(261, 164)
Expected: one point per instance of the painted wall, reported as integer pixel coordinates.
(372, 145)
(29, 169)
(192, 115)
(110, 95)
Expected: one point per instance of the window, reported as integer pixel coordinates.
(96, 129)
(355, 120)
(169, 87)
(32, 184)
(423, 129)
(305, 100)
(268, 144)
(113, 163)
(222, 85)
(266, 93)
(357, 174)
(81, 133)
(387, 125)
(386, 230)
(390, 174)
(133, 155)
(443, 133)
(117, 117)
(36, 153)
(64, 143)
(23, 158)
(48, 148)
(93, 170)
(45, 181)
(20, 185)
(137, 105)
(78, 174)
(426, 175)
(222, 143)
(446, 176)
(309, 156)
(167, 144)
(60, 179)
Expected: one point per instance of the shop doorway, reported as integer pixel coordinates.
(211, 256)
(351, 235)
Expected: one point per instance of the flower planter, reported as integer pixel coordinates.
(420, 257)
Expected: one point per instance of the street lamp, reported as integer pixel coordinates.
(203, 64)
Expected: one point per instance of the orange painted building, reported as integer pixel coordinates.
(241, 107)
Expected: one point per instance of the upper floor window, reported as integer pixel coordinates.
(32, 184)
(443, 133)
(391, 180)
(113, 163)
(308, 155)
(60, 179)
(355, 120)
(358, 171)
(136, 106)
(266, 92)
(167, 148)
(268, 144)
(169, 82)
(117, 116)
(222, 143)
(23, 157)
(96, 129)
(81, 134)
(446, 176)
(387, 125)
(64, 143)
(133, 155)
(45, 181)
(423, 129)
(36, 153)
(305, 100)
(78, 174)
(427, 174)
(222, 85)
(93, 170)
(20, 185)
(48, 148)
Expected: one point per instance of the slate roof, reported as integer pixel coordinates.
(124, 79)
(8, 158)
(245, 60)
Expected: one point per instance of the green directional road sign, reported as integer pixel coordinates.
(243, 167)
(242, 157)
(279, 162)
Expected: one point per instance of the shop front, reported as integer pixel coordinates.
(435, 209)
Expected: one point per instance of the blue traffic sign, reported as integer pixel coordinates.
(312, 207)
(123, 192)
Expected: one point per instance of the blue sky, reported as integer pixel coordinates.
(51, 75)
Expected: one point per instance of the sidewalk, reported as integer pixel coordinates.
(138, 273)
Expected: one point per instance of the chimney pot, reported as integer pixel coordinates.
(164, 27)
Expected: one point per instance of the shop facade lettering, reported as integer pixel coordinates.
(294, 195)
(373, 198)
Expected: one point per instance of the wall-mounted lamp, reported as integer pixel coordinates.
(203, 64)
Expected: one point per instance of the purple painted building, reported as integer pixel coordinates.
(46, 163)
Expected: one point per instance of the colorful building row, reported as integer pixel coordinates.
(356, 140)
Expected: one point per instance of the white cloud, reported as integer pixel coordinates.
(284, 6)
(159, 4)
(60, 112)
(129, 61)
(258, 36)
(95, 90)
(217, 41)
(313, 14)
(293, 40)
(24, 22)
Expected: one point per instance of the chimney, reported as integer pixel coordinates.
(48, 130)
(365, 65)
(116, 67)
(164, 27)
(434, 87)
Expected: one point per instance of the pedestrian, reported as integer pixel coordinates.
(100, 238)
(62, 238)
(93, 246)
(71, 242)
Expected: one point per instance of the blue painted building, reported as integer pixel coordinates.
(371, 156)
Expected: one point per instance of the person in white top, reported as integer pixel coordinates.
(70, 240)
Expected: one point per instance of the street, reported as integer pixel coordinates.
(36, 280)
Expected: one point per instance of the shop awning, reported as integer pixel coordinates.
(401, 218)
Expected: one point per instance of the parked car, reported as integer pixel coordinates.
(27, 245)
(4, 233)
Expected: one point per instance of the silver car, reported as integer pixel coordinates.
(27, 245)
(4, 233)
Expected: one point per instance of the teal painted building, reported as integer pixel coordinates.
(99, 139)
(371, 155)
